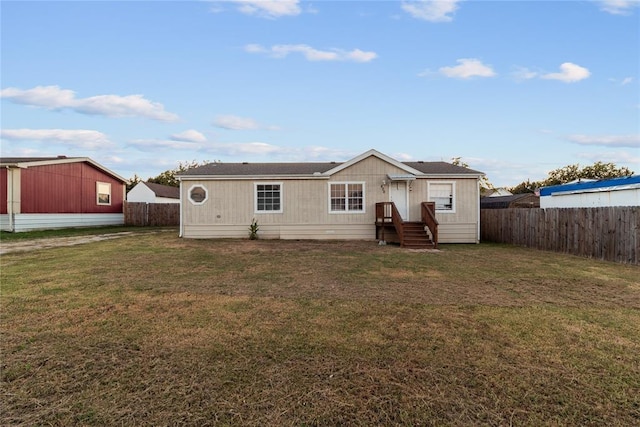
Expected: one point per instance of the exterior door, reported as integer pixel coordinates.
(398, 195)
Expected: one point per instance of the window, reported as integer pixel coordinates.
(346, 197)
(103, 193)
(268, 197)
(443, 194)
(198, 195)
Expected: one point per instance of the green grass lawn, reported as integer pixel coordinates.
(155, 330)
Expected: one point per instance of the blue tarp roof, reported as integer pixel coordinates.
(603, 185)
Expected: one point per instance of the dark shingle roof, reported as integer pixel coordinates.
(272, 169)
(164, 190)
(13, 160)
(241, 169)
(514, 200)
(441, 168)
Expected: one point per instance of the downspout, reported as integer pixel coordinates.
(11, 194)
(478, 201)
(10, 199)
(181, 231)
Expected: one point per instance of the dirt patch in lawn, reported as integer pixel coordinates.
(54, 242)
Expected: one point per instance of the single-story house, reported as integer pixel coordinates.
(526, 200)
(150, 192)
(58, 192)
(371, 196)
(624, 191)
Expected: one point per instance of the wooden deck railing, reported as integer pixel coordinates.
(428, 210)
(387, 213)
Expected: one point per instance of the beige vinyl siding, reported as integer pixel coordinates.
(458, 233)
(229, 208)
(460, 226)
(467, 200)
(286, 231)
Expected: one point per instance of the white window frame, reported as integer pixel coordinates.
(206, 194)
(347, 211)
(453, 196)
(255, 198)
(98, 192)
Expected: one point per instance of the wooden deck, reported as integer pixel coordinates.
(409, 234)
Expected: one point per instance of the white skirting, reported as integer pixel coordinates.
(27, 222)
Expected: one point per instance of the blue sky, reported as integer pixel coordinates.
(514, 88)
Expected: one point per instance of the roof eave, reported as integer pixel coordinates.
(248, 177)
(63, 160)
(451, 175)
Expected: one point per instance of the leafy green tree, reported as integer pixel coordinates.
(526, 187)
(133, 181)
(598, 170)
(169, 178)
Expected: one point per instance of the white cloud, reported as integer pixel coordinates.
(269, 8)
(606, 140)
(311, 54)
(51, 97)
(403, 157)
(618, 7)
(569, 73)
(255, 48)
(357, 55)
(319, 153)
(626, 81)
(523, 73)
(467, 68)
(190, 135)
(164, 144)
(619, 158)
(240, 123)
(431, 10)
(55, 98)
(85, 139)
(245, 150)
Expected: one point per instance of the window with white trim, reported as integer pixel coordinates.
(198, 194)
(443, 195)
(346, 197)
(268, 197)
(103, 193)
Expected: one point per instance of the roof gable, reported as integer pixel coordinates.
(26, 162)
(377, 154)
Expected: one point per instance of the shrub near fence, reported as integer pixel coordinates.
(151, 214)
(608, 233)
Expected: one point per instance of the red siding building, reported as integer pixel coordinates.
(58, 192)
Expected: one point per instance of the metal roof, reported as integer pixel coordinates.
(593, 186)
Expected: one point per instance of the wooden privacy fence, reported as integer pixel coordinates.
(609, 233)
(151, 214)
